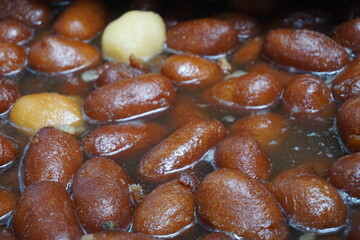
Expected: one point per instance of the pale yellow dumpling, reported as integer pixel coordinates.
(141, 33)
(34, 111)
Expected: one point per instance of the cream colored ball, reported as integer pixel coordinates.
(141, 33)
(34, 111)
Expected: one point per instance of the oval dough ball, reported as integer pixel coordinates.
(34, 111)
(136, 32)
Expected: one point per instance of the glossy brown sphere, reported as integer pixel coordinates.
(308, 97)
(345, 174)
(348, 123)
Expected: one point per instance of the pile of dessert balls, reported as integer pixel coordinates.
(179, 119)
